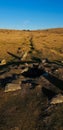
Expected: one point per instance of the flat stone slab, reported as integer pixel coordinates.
(58, 99)
(12, 87)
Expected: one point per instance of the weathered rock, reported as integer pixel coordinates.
(32, 72)
(45, 60)
(57, 99)
(24, 70)
(3, 62)
(62, 61)
(12, 87)
(24, 56)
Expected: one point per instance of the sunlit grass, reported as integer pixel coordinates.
(48, 42)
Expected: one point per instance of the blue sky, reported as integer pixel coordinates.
(31, 14)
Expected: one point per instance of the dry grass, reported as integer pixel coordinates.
(48, 42)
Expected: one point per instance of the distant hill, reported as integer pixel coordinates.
(39, 43)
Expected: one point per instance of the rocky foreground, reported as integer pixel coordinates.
(31, 96)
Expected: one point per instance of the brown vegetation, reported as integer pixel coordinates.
(41, 43)
(36, 100)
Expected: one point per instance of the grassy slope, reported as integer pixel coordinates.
(28, 111)
(48, 42)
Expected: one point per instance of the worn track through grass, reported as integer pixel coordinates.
(46, 43)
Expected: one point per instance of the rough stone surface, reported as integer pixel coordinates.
(3, 62)
(12, 87)
(57, 99)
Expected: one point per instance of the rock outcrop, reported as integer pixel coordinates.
(12, 87)
(57, 99)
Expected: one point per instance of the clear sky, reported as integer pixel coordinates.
(31, 14)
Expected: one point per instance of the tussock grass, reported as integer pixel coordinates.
(48, 42)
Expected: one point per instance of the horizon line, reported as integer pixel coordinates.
(31, 29)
